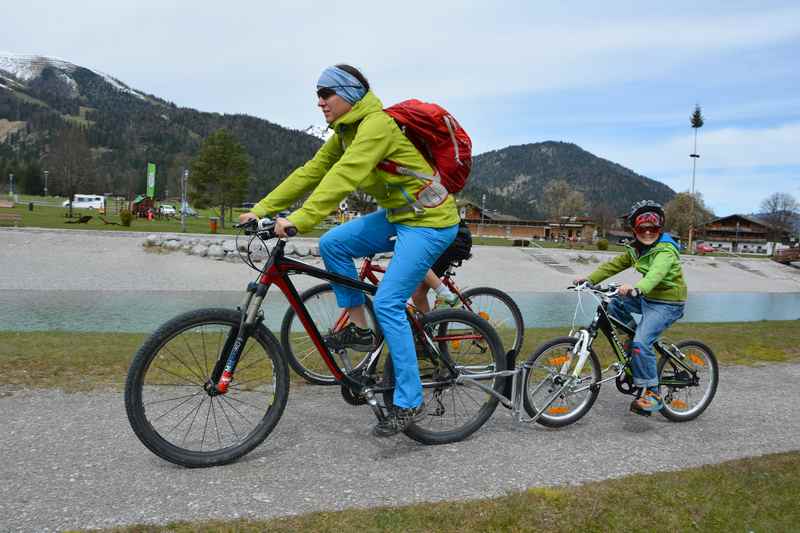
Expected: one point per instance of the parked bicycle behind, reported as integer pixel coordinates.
(491, 304)
(418, 211)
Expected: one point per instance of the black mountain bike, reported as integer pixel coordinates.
(564, 374)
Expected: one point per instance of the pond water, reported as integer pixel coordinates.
(143, 311)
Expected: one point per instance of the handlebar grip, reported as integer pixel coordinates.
(291, 231)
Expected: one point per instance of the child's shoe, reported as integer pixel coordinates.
(650, 402)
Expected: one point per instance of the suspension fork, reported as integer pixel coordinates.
(237, 337)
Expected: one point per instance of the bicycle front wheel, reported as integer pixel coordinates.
(549, 368)
(499, 310)
(471, 346)
(302, 354)
(166, 396)
(687, 395)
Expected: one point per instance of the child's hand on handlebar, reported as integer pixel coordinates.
(628, 290)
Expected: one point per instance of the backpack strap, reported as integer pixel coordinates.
(413, 205)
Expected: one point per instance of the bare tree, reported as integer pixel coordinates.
(71, 165)
(781, 211)
(685, 212)
(604, 216)
(562, 201)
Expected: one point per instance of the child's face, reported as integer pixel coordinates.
(647, 234)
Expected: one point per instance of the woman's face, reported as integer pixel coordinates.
(333, 106)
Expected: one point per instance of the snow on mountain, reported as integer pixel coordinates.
(320, 132)
(25, 68)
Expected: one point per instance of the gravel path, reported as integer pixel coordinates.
(72, 461)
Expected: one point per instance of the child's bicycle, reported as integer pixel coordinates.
(493, 305)
(208, 386)
(564, 374)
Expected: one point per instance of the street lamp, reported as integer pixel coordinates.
(46, 172)
(11, 184)
(184, 179)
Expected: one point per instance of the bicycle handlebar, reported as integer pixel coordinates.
(607, 291)
(264, 228)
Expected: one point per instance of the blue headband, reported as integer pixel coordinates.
(342, 83)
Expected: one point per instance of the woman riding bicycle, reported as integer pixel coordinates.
(659, 297)
(364, 136)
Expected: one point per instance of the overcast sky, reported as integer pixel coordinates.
(620, 79)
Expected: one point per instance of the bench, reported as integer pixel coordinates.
(14, 218)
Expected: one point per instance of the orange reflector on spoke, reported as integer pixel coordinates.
(484, 315)
(558, 361)
(696, 360)
(679, 404)
(455, 345)
(562, 410)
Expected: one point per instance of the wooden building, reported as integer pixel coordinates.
(738, 234)
(494, 224)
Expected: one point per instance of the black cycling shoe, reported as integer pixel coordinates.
(399, 420)
(352, 337)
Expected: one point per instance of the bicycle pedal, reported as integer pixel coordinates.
(640, 412)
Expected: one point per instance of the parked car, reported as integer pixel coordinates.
(86, 201)
(703, 248)
(167, 210)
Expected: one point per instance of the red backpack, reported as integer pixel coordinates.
(440, 139)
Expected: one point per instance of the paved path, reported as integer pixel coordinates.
(71, 460)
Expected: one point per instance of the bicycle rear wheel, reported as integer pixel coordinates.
(549, 368)
(454, 410)
(501, 311)
(302, 355)
(169, 407)
(686, 397)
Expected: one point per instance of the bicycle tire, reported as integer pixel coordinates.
(301, 353)
(501, 311)
(677, 398)
(486, 352)
(169, 361)
(542, 366)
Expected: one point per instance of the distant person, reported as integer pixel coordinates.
(659, 297)
(365, 135)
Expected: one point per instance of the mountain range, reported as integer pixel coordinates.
(128, 128)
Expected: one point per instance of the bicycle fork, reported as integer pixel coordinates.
(222, 375)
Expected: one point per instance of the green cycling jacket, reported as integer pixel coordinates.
(660, 265)
(362, 138)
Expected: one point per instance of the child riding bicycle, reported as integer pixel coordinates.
(659, 297)
(459, 250)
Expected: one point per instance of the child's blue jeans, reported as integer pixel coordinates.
(415, 250)
(656, 317)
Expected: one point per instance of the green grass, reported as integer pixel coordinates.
(754, 494)
(54, 217)
(87, 361)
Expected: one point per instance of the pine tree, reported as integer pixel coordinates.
(219, 173)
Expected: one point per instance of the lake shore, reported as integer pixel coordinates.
(34, 259)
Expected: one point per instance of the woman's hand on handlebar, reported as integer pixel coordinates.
(284, 228)
(247, 217)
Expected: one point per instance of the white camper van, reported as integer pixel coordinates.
(86, 201)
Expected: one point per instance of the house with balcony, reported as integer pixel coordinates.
(739, 234)
(490, 223)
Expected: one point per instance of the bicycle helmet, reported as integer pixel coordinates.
(646, 207)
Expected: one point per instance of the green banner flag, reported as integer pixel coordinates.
(151, 180)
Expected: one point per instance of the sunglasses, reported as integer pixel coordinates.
(647, 229)
(327, 92)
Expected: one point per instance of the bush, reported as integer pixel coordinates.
(602, 244)
(125, 217)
